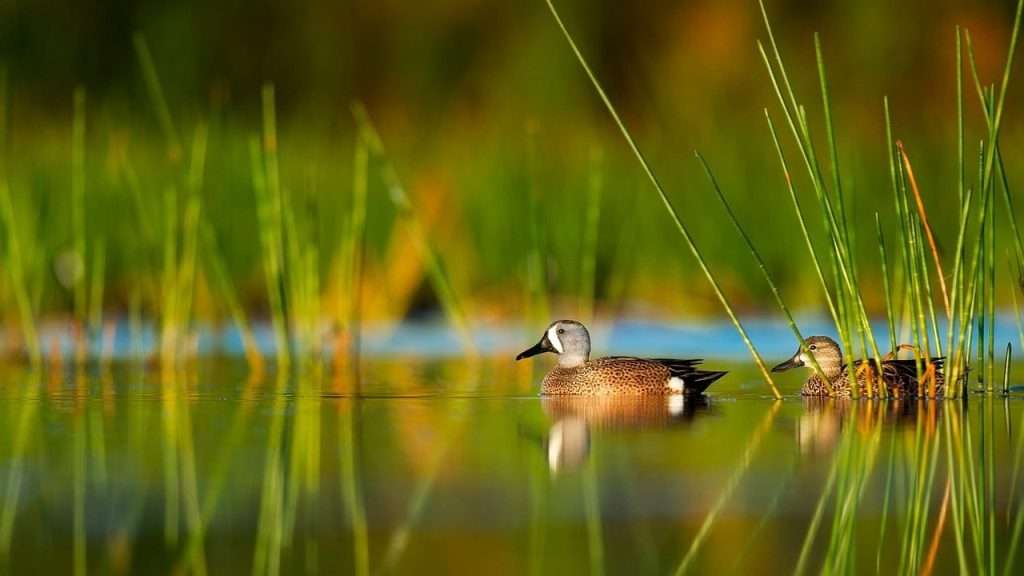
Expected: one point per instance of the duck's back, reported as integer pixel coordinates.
(900, 378)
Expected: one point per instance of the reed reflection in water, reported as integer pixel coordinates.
(212, 472)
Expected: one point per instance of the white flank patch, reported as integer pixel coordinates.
(676, 384)
(675, 404)
(553, 338)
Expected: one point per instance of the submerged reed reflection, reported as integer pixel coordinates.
(137, 474)
(823, 421)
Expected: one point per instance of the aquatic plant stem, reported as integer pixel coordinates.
(436, 272)
(78, 220)
(764, 271)
(665, 200)
(24, 430)
(156, 96)
(739, 471)
(923, 214)
(349, 424)
(229, 293)
(890, 311)
(588, 259)
(352, 255)
(802, 220)
(15, 257)
(592, 505)
(850, 303)
(267, 185)
(16, 270)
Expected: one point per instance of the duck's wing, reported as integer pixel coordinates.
(905, 366)
(695, 381)
(903, 372)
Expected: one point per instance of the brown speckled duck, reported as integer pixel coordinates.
(900, 376)
(576, 373)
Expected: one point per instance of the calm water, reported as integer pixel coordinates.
(457, 468)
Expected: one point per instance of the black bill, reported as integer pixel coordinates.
(539, 348)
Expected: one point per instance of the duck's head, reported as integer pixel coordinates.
(826, 353)
(567, 338)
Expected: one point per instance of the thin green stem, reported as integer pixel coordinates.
(665, 200)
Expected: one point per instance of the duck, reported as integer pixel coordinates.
(900, 376)
(577, 374)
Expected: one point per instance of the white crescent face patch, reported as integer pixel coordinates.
(553, 339)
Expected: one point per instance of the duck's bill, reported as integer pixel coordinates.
(539, 348)
(794, 362)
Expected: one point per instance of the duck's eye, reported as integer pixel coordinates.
(561, 330)
(812, 347)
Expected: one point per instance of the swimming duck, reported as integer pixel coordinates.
(576, 373)
(900, 376)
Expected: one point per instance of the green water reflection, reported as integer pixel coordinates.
(459, 468)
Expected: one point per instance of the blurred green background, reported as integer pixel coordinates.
(482, 108)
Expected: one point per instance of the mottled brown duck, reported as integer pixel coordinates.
(900, 376)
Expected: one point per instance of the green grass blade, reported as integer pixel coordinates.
(156, 95)
(437, 273)
(591, 228)
(352, 253)
(762, 267)
(592, 506)
(739, 471)
(1011, 218)
(78, 214)
(803, 221)
(883, 258)
(665, 200)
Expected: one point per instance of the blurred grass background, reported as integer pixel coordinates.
(483, 112)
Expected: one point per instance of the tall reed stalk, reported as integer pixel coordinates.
(78, 220)
(743, 465)
(764, 272)
(437, 273)
(849, 310)
(267, 188)
(349, 443)
(649, 172)
(351, 258)
(968, 299)
(156, 95)
(15, 257)
(591, 228)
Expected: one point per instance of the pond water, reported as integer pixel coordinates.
(453, 466)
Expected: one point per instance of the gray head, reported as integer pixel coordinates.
(826, 352)
(567, 338)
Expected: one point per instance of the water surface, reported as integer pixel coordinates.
(459, 467)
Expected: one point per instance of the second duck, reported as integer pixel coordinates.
(900, 376)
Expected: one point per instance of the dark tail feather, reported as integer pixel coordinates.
(696, 383)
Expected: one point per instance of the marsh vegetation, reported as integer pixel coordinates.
(227, 345)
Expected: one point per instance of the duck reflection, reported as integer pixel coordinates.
(823, 420)
(568, 439)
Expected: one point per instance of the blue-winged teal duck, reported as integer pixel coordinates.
(900, 376)
(576, 373)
